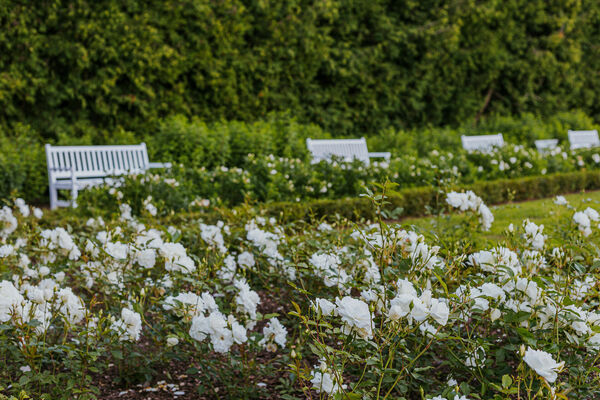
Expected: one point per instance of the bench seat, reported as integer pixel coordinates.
(348, 149)
(583, 139)
(543, 145)
(483, 143)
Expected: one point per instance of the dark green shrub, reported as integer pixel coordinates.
(189, 142)
(23, 166)
(422, 201)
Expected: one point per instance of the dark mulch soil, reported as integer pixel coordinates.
(173, 381)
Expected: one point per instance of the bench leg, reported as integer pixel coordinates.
(74, 197)
(53, 197)
(73, 188)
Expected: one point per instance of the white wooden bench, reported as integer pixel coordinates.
(348, 149)
(77, 167)
(483, 143)
(583, 139)
(543, 145)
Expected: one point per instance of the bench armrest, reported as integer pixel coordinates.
(159, 165)
(385, 154)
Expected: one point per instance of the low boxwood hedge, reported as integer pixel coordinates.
(416, 202)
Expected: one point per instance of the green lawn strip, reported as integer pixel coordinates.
(539, 211)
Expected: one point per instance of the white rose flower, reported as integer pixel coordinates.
(274, 331)
(560, 201)
(246, 260)
(146, 258)
(323, 383)
(10, 299)
(356, 316)
(543, 364)
(327, 308)
(38, 213)
(592, 214)
(129, 326)
(419, 311)
(439, 312)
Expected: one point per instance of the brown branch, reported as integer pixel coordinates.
(488, 98)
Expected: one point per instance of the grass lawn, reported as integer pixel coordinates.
(539, 211)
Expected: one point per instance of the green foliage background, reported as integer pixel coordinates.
(89, 68)
(205, 82)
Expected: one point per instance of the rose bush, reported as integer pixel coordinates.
(337, 309)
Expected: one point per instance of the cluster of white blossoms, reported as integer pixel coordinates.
(357, 317)
(223, 331)
(408, 304)
(207, 320)
(147, 249)
(213, 236)
(469, 201)
(111, 257)
(247, 300)
(274, 333)
(125, 212)
(354, 314)
(326, 381)
(10, 301)
(370, 284)
(148, 206)
(8, 222)
(342, 266)
(533, 235)
(26, 211)
(518, 293)
(411, 244)
(328, 267)
(560, 201)
(267, 242)
(129, 327)
(584, 219)
(58, 240)
(187, 304)
(42, 303)
(227, 272)
(421, 254)
(499, 260)
(176, 258)
(245, 260)
(503, 284)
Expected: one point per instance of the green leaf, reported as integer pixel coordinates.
(506, 381)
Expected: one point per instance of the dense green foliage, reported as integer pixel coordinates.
(88, 69)
(203, 148)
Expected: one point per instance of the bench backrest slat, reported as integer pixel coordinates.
(583, 139)
(95, 161)
(483, 143)
(348, 149)
(546, 144)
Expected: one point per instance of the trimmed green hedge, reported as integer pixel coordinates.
(88, 68)
(419, 201)
(414, 202)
